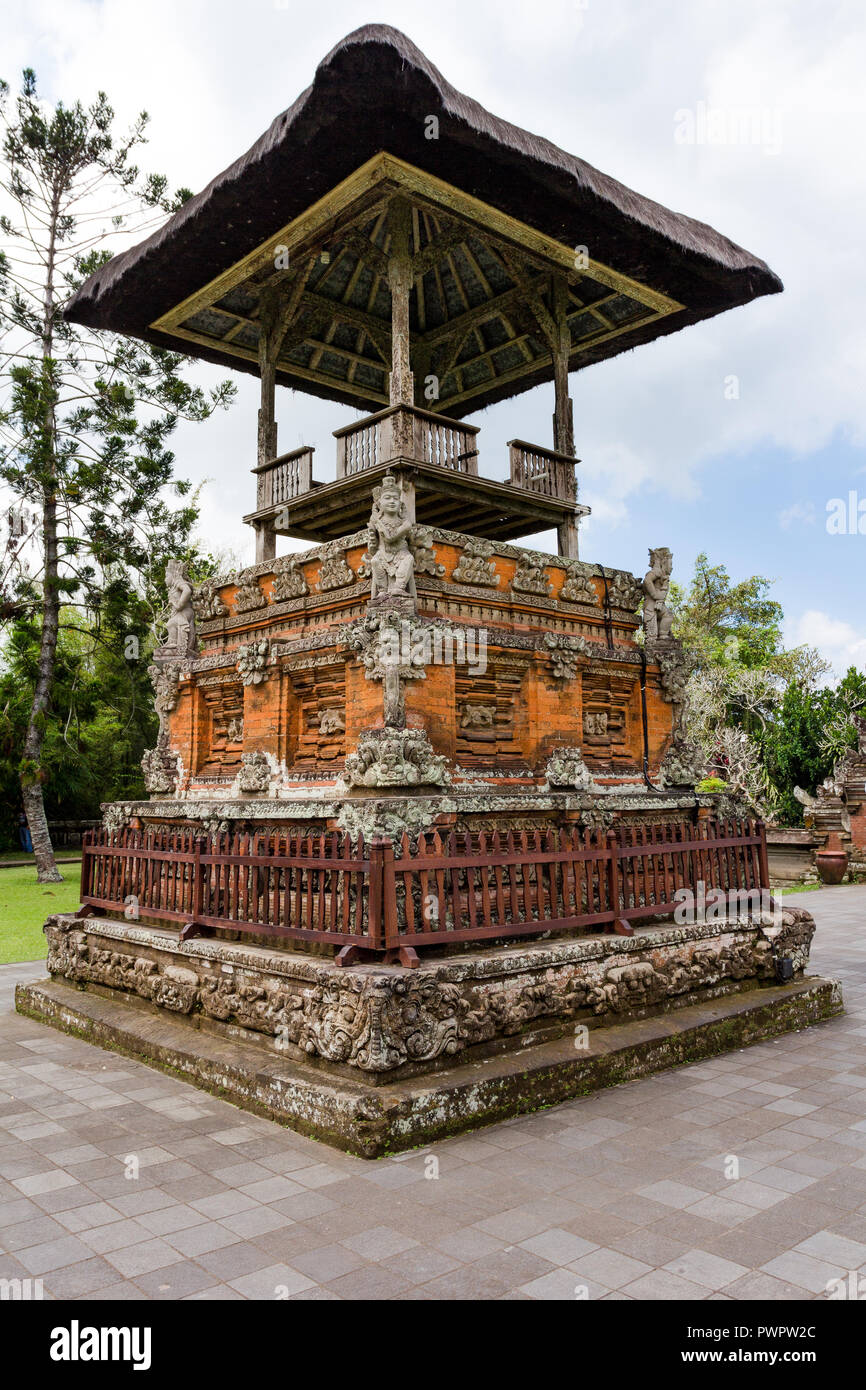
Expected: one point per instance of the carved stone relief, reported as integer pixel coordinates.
(335, 573)
(289, 583)
(530, 577)
(564, 650)
(207, 602)
(578, 587)
(475, 565)
(249, 597)
(421, 543)
(566, 768)
(255, 773)
(252, 662)
(395, 758)
(624, 591)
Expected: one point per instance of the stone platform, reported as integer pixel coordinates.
(380, 1058)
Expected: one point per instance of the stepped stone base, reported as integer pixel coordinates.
(373, 1121)
(377, 1058)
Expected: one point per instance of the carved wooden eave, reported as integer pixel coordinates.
(486, 287)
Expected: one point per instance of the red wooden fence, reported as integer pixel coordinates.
(438, 889)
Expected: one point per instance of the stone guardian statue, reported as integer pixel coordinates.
(657, 616)
(389, 559)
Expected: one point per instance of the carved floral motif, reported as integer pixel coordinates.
(564, 650)
(290, 583)
(578, 587)
(531, 577)
(475, 565)
(624, 591)
(421, 542)
(335, 573)
(252, 662)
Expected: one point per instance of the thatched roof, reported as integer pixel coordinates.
(372, 93)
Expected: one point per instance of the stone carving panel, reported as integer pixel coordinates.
(531, 577)
(566, 768)
(395, 758)
(207, 603)
(475, 565)
(252, 662)
(289, 582)
(564, 651)
(578, 587)
(249, 597)
(335, 573)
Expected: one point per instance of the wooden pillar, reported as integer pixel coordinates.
(268, 345)
(566, 533)
(266, 542)
(563, 413)
(401, 391)
(269, 339)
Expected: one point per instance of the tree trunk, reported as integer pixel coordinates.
(31, 770)
(31, 784)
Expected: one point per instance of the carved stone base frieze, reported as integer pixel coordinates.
(385, 1020)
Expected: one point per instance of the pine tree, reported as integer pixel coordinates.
(86, 418)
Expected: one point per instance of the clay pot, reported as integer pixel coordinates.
(831, 861)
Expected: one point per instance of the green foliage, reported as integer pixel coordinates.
(808, 734)
(757, 710)
(711, 784)
(726, 623)
(99, 724)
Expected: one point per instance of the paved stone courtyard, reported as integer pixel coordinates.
(624, 1194)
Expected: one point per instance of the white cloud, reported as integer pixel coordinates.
(837, 641)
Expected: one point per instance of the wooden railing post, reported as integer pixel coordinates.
(87, 861)
(619, 925)
(389, 897)
(193, 926)
(375, 891)
(763, 857)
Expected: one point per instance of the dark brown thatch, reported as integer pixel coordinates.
(373, 93)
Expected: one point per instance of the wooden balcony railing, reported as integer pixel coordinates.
(542, 470)
(406, 432)
(456, 888)
(281, 479)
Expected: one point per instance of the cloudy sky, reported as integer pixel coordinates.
(733, 436)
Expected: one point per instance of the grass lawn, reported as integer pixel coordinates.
(24, 905)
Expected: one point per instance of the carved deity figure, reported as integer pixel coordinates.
(391, 562)
(657, 616)
(180, 629)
